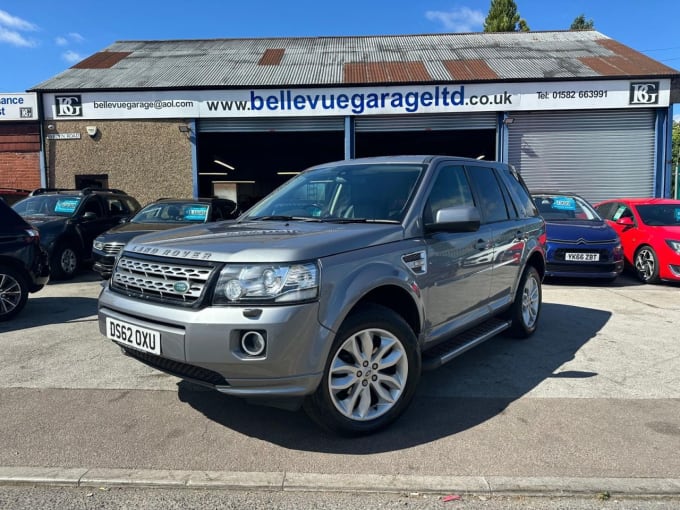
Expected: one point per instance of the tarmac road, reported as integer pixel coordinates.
(590, 403)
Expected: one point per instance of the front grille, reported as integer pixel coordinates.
(112, 248)
(161, 280)
(178, 369)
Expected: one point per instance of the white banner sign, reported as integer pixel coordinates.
(18, 107)
(446, 98)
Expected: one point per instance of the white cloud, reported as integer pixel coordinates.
(10, 26)
(15, 38)
(9, 21)
(71, 57)
(76, 37)
(459, 19)
(61, 41)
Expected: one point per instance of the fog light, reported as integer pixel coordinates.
(253, 343)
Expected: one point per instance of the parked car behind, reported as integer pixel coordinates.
(580, 243)
(24, 266)
(69, 221)
(163, 214)
(12, 195)
(649, 229)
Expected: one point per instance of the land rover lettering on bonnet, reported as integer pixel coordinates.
(339, 288)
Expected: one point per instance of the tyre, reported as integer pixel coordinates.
(527, 306)
(370, 376)
(646, 265)
(64, 262)
(13, 292)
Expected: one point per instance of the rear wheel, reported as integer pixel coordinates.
(527, 306)
(646, 265)
(13, 292)
(64, 262)
(370, 376)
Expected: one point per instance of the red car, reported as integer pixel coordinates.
(649, 229)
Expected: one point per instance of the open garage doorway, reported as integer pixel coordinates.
(247, 166)
(473, 144)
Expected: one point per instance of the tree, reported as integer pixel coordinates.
(675, 157)
(503, 17)
(580, 23)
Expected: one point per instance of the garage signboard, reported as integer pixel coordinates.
(359, 101)
(15, 107)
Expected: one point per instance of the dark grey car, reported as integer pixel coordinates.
(336, 290)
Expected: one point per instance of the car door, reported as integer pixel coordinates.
(629, 234)
(91, 220)
(459, 263)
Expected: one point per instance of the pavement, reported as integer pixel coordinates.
(590, 404)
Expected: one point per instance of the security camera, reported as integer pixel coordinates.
(91, 130)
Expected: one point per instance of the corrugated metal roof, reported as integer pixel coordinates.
(328, 61)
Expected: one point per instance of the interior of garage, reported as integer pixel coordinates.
(248, 165)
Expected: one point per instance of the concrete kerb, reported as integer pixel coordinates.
(282, 481)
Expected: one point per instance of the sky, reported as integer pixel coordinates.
(41, 38)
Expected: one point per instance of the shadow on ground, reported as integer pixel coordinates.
(468, 391)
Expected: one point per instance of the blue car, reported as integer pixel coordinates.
(580, 243)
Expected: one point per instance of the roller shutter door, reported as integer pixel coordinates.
(252, 125)
(426, 122)
(597, 154)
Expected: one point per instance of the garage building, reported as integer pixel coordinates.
(573, 110)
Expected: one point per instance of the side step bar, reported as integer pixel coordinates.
(449, 349)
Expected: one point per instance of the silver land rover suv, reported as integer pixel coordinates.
(337, 289)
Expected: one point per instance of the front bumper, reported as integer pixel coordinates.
(103, 263)
(204, 345)
(609, 265)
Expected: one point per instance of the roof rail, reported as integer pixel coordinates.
(41, 191)
(87, 191)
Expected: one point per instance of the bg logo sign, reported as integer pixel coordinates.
(644, 92)
(69, 106)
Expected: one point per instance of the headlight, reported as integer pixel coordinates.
(675, 245)
(98, 245)
(267, 283)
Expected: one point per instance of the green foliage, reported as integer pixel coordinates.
(580, 23)
(503, 17)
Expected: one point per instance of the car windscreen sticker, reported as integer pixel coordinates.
(677, 214)
(619, 212)
(564, 204)
(196, 213)
(66, 205)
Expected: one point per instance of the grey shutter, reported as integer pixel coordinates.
(252, 125)
(441, 122)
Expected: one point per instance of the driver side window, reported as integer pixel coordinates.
(450, 189)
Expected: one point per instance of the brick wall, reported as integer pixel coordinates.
(19, 156)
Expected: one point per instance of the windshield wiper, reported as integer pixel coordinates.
(281, 218)
(357, 220)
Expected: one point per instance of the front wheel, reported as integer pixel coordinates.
(646, 265)
(527, 306)
(13, 292)
(64, 262)
(370, 375)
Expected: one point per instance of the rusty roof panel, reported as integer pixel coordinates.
(385, 72)
(102, 60)
(331, 61)
(271, 57)
(468, 70)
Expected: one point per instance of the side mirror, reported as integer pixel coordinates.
(626, 221)
(462, 218)
(89, 215)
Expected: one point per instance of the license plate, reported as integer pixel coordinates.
(142, 339)
(582, 257)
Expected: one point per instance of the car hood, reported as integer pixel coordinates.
(41, 220)
(126, 231)
(573, 230)
(264, 241)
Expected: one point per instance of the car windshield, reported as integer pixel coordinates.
(173, 212)
(48, 205)
(343, 193)
(562, 207)
(660, 215)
